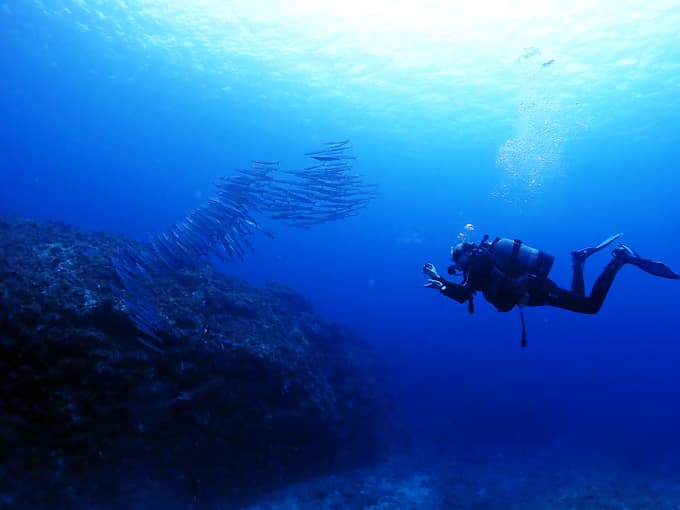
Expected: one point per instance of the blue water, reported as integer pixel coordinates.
(120, 116)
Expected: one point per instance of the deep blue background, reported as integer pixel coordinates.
(108, 136)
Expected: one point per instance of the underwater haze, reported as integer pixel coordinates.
(552, 122)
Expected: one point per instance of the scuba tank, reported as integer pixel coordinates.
(512, 258)
(515, 258)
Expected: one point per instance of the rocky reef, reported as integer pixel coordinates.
(250, 389)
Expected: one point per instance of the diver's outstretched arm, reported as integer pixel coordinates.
(460, 293)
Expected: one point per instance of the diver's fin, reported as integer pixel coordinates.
(629, 256)
(655, 268)
(582, 254)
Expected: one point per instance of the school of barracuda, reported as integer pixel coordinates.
(328, 190)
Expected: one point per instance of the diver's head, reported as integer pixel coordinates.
(460, 255)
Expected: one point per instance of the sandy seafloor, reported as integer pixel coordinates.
(494, 482)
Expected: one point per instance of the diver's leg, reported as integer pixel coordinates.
(574, 302)
(578, 285)
(603, 284)
(592, 304)
(578, 259)
(568, 300)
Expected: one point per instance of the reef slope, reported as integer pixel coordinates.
(251, 387)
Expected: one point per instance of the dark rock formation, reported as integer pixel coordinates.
(251, 388)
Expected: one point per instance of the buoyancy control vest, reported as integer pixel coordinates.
(516, 259)
(512, 261)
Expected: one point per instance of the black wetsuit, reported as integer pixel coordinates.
(529, 290)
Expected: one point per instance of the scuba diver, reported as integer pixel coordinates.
(509, 273)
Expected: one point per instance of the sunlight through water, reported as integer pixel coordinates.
(417, 50)
(543, 71)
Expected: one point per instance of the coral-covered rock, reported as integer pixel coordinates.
(250, 387)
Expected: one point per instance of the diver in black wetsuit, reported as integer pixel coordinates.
(510, 273)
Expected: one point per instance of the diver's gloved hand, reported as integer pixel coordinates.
(435, 284)
(431, 271)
